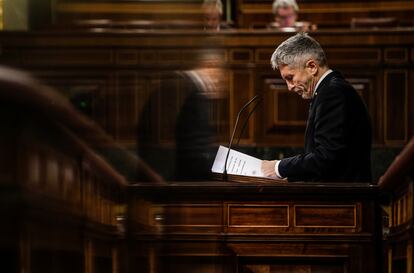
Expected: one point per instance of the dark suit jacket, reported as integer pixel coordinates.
(337, 138)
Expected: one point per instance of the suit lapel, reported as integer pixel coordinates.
(312, 108)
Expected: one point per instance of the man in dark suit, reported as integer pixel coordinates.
(338, 132)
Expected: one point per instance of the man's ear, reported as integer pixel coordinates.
(312, 66)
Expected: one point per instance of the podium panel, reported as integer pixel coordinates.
(254, 227)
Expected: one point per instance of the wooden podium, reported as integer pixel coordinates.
(254, 227)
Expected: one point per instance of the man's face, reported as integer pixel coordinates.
(286, 17)
(299, 80)
(212, 19)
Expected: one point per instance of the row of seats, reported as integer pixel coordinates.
(188, 24)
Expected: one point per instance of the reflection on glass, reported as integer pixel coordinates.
(176, 128)
(1, 14)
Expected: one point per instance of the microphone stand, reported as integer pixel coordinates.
(234, 131)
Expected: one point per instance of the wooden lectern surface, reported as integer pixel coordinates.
(215, 226)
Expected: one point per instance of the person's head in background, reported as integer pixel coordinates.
(285, 12)
(213, 10)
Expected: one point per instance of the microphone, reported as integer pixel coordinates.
(234, 131)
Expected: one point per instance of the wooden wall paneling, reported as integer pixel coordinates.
(241, 91)
(388, 268)
(409, 257)
(33, 166)
(202, 57)
(243, 57)
(88, 257)
(325, 263)
(148, 56)
(367, 82)
(169, 219)
(87, 191)
(69, 177)
(378, 119)
(149, 123)
(169, 105)
(170, 57)
(110, 109)
(262, 56)
(10, 56)
(54, 246)
(66, 11)
(279, 218)
(399, 249)
(67, 57)
(148, 114)
(160, 98)
(316, 257)
(127, 57)
(89, 90)
(214, 94)
(219, 115)
(8, 146)
(129, 92)
(327, 216)
(172, 218)
(52, 173)
(289, 110)
(412, 55)
(283, 115)
(142, 103)
(353, 56)
(252, 216)
(369, 85)
(396, 55)
(24, 255)
(396, 107)
(102, 255)
(411, 102)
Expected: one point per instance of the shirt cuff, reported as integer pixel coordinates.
(277, 169)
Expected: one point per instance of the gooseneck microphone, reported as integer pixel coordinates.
(234, 131)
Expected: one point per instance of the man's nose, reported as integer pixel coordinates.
(290, 86)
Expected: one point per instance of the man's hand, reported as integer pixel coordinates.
(268, 168)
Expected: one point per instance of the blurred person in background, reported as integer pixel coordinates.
(286, 15)
(213, 13)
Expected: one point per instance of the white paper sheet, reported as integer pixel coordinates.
(237, 163)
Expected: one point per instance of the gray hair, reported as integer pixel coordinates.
(217, 4)
(296, 51)
(284, 4)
